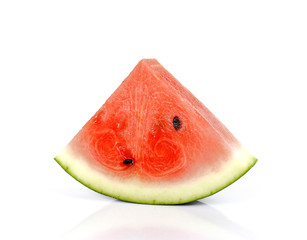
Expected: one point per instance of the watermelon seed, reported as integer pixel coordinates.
(128, 161)
(176, 123)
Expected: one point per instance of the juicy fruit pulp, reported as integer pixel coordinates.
(153, 134)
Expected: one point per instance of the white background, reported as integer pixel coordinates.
(59, 62)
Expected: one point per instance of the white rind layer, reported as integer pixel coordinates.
(144, 192)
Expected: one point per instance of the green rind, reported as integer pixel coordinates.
(252, 162)
(66, 169)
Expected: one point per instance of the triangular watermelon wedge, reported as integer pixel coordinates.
(154, 142)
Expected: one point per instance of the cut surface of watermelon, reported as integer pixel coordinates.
(154, 142)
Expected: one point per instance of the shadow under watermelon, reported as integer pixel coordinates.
(128, 221)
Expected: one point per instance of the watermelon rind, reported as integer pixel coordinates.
(134, 190)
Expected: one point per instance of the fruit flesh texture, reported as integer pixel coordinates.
(136, 123)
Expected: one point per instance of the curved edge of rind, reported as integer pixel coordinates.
(66, 169)
(252, 162)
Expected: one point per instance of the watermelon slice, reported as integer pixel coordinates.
(154, 142)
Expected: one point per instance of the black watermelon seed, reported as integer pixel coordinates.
(176, 123)
(128, 161)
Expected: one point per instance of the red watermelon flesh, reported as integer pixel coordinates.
(154, 142)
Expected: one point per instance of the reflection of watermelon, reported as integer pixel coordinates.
(154, 142)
